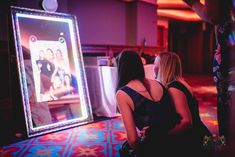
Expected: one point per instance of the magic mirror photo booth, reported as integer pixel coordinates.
(48, 83)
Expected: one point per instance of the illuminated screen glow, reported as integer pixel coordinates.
(51, 70)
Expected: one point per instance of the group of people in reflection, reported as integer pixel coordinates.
(161, 115)
(55, 80)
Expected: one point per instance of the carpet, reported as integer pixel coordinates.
(103, 138)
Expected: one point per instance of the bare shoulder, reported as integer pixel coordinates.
(154, 84)
(124, 100)
(120, 94)
(184, 83)
(175, 91)
(187, 86)
(156, 89)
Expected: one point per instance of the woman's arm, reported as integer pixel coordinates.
(210, 12)
(54, 73)
(181, 106)
(200, 10)
(123, 101)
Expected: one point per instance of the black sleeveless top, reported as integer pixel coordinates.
(199, 130)
(159, 115)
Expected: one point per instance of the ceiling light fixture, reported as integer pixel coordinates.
(49, 5)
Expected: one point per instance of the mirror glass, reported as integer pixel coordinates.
(50, 69)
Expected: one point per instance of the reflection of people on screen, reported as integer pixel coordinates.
(39, 111)
(41, 59)
(47, 68)
(74, 83)
(55, 79)
(55, 89)
(60, 59)
(40, 62)
(59, 65)
(67, 84)
(60, 87)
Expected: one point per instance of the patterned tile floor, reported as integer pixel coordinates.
(104, 138)
(101, 138)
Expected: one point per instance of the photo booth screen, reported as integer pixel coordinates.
(49, 48)
(50, 67)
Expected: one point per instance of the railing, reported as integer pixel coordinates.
(113, 50)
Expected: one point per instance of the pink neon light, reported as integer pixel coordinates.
(178, 14)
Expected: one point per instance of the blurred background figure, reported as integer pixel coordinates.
(148, 58)
(218, 13)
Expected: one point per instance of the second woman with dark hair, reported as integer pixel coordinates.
(144, 105)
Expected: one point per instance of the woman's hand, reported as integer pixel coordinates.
(143, 132)
(191, 2)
